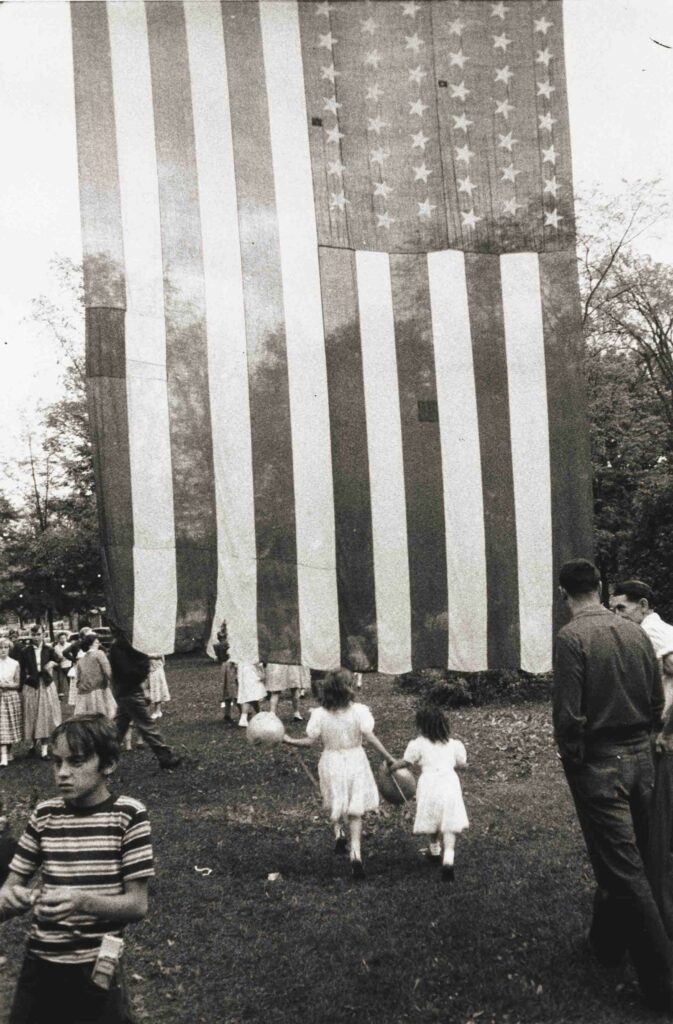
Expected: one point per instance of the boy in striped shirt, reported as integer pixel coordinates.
(95, 855)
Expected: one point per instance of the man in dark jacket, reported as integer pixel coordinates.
(608, 701)
(130, 669)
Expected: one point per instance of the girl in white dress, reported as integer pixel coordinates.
(251, 690)
(347, 784)
(156, 686)
(440, 811)
(11, 719)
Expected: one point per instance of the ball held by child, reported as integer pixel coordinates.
(396, 787)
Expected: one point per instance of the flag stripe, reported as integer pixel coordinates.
(571, 486)
(277, 597)
(154, 566)
(526, 376)
(350, 466)
(186, 347)
(314, 503)
(422, 460)
(461, 463)
(490, 366)
(225, 321)
(386, 461)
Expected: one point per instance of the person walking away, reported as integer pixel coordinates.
(440, 810)
(11, 717)
(130, 669)
(634, 600)
(251, 690)
(607, 702)
(94, 679)
(73, 653)
(41, 706)
(282, 678)
(347, 784)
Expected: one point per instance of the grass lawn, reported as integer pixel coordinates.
(500, 944)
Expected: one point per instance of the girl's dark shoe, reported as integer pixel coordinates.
(448, 873)
(357, 870)
(341, 845)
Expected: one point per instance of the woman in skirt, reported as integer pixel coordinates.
(10, 703)
(93, 680)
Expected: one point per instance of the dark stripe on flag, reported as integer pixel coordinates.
(185, 314)
(426, 531)
(571, 487)
(350, 465)
(490, 370)
(277, 597)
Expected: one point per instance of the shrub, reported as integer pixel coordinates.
(454, 690)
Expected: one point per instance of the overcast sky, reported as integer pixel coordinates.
(620, 86)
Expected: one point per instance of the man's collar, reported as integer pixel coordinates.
(591, 609)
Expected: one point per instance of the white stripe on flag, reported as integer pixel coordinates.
(307, 372)
(226, 333)
(386, 464)
(524, 342)
(461, 463)
(155, 581)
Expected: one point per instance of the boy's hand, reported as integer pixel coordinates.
(57, 904)
(15, 899)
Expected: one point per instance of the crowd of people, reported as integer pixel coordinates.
(613, 683)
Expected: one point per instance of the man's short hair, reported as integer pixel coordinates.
(580, 576)
(635, 590)
(34, 630)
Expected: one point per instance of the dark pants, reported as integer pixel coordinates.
(133, 708)
(613, 793)
(47, 992)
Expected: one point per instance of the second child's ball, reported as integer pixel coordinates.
(265, 729)
(396, 787)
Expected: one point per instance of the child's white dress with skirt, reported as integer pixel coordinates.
(156, 687)
(439, 797)
(347, 783)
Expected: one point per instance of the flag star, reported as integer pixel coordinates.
(545, 89)
(376, 124)
(503, 74)
(552, 218)
(419, 140)
(458, 59)
(377, 156)
(333, 134)
(409, 9)
(417, 108)
(459, 92)
(508, 173)
(501, 42)
(328, 41)
(338, 201)
(469, 218)
(384, 220)
(381, 188)
(414, 43)
(368, 26)
(373, 59)
(511, 206)
(504, 108)
(329, 73)
(323, 8)
(421, 172)
(549, 155)
(506, 141)
(416, 74)
(461, 123)
(331, 104)
(374, 92)
(543, 57)
(465, 185)
(336, 167)
(542, 25)
(456, 27)
(499, 11)
(464, 153)
(425, 209)
(552, 186)
(546, 121)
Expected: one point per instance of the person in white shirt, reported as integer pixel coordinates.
(633, 599)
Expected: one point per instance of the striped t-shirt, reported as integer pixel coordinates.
(95, 848)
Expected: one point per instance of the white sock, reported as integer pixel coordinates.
(4, 759)
(435, 848)
(243, 720)
(44, 749)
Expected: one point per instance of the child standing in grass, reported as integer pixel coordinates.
(157, 687)
(347, 784)
(440, 811)
(95, 857)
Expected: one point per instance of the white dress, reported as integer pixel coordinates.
(439, 797)
(250, 683)
(285, 677)
(347, 783)
(156, 686)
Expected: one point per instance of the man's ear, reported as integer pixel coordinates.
(564, 593)
(645, 605)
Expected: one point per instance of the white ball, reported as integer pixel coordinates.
(265, 729)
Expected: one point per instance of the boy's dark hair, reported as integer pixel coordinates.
(580, 576)
(433, 723)
(635, 590)
(337, 689)
(34, 630)
(87, 641)
(87, 735)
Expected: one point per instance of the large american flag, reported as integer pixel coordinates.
(333, 336)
